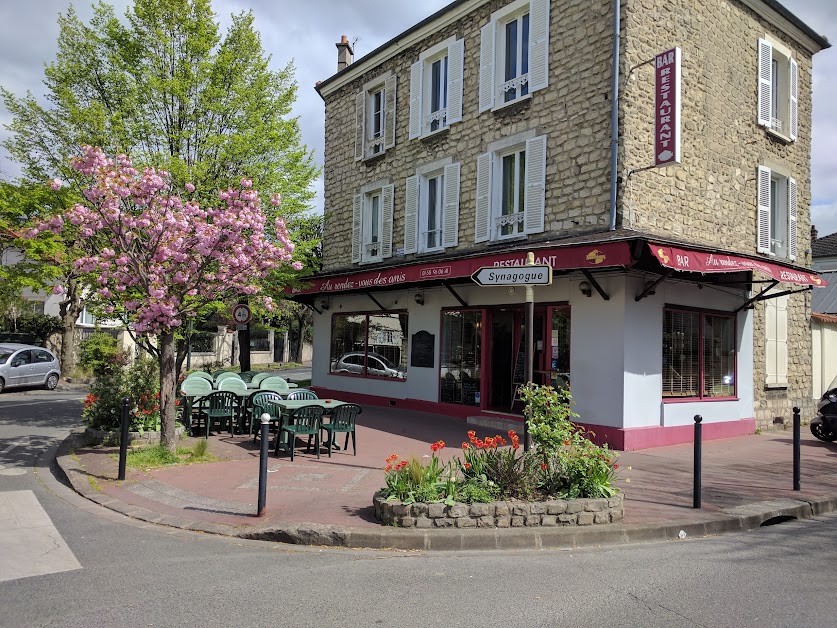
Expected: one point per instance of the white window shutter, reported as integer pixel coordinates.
(782, 340)
(388, 193)
(763, 211)
(539, 44)
(411, 215)
(389, 130)
(794, 98)
(360, 122)
(482, 219)
(450, 218)
(487, 35)
(456, 63)
(792, 219)
(535, 185)
(416, 87)
(765, 82)
(357, 210)
(770, 340)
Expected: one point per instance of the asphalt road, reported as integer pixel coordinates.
(141, 575)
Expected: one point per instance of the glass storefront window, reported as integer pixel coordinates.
(461, 357)
(692, 369)
(369, 345)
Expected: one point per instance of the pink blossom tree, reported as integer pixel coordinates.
(154, 259)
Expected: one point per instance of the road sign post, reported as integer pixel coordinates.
(529, 276)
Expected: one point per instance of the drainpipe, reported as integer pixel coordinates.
(614, 116)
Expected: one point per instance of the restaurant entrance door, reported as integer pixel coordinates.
(506, 352)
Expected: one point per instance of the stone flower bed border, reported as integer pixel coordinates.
(501, 514)
(108, 437)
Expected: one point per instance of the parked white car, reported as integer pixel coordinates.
(27, 365)
(376, 364)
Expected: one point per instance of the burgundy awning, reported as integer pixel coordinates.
(713, 262)
(586, 256)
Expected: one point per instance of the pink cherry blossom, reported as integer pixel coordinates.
(190, 187)
(58, 289)
(56, 184)
(296, 265)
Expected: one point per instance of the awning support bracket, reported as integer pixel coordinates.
(313, 307)
(651, 287)
(758, 297)
(455, 294)
(378, 303)
(595, 284)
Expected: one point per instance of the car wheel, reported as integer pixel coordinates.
(2, 384)
(51, 382)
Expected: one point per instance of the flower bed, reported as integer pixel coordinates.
(111, 437)
(501, 514)
(565, 479)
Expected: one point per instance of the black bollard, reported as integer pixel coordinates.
(698, 442)
(263, 464)
(123, 439)
(796, 452)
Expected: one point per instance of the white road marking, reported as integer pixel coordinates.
(29, 542)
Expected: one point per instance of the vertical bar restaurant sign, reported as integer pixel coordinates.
(667, 108)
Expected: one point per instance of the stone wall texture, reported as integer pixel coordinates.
(709, 199)
(505, 514)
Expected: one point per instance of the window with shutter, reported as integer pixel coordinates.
(776, 340)
(432, 208)
(510, 189)
(372, 219)
(436, 88)
(778, 89)
(375, 117)
(514, 53)
(777, 209)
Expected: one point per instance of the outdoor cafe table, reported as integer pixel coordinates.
(286, 408)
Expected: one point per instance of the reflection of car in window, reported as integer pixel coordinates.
(376, 364)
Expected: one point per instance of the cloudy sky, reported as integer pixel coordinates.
(307, 31)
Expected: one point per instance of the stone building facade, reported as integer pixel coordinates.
(384, 152)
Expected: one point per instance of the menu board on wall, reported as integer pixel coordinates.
(422, 352)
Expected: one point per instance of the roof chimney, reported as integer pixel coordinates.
(813, 233)
(344, 53)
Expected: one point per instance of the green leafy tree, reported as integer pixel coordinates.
(39, 264)
(167, 87)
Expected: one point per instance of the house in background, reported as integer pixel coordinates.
(679, 239)
(824, 313)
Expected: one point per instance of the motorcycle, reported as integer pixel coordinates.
(824, 426)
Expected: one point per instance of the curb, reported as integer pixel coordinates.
(737, 519)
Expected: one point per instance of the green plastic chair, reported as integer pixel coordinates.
(226, 375)
(259, 377)
(200, 375)
(220, 406)
(276, 384)
(302, 393)
(192, 387)
(217, 373)
(304, 421)
(342, 420)
(236, 384)
(260, 403)
(247, 376)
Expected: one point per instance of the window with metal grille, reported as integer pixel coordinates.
(698, 354)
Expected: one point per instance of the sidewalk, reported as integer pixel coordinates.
(746, 481)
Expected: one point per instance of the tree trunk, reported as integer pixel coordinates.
(69, 309)
(168, 391)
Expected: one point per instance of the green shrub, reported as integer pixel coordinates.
(100, 354)
(140, 383)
